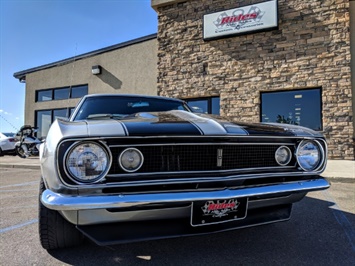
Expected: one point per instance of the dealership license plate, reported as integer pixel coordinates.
(218, 211)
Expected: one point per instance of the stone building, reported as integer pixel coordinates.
(288, 61)
(306, 57)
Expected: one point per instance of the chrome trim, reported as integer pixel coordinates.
(77, 143)
(60, 202)
(204, 172)
(289, 153)
(219, 157)
(200, 144)
(134, 183)
(320, 164)
(192, 180)
(198, 136)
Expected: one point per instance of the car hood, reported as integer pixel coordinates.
(173, 123)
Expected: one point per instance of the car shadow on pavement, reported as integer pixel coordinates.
(317, 234)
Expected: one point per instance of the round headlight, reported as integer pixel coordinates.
(87, 162)
(283, 155)
(131, 160)
(309, 155)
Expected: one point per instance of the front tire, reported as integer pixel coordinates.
(54, 231)
(21, 152)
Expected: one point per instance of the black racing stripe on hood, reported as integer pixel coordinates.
(153, 129)
(149, 124)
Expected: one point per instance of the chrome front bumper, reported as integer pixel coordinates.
(62, 202)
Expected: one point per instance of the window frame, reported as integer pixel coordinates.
(39, 91)
(61, 89)
(295, 90)
(75, 87)
(209, 102)
(52, 90)
(68, 110)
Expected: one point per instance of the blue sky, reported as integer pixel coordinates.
(34, 33)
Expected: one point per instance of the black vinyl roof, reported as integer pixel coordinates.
(22, 74)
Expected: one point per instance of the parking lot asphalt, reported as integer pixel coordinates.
(320, 232)
(336, 171)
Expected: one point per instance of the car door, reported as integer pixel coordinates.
(5, 143)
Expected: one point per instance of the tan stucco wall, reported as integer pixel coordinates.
(132, 69)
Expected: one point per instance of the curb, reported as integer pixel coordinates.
(348, 180)
(21, 166)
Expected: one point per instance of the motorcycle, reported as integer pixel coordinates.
(28, 144)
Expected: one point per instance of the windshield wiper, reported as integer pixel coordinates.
(106, 116)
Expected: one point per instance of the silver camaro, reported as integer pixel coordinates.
(131, 168)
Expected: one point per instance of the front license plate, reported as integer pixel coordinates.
(218, 211)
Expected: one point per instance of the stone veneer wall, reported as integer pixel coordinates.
(310, 49)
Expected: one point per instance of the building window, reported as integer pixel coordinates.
(61, 113)
(44, 119)
(45, 95)
(79, 91)
(297, 107)
(61, 93)
(43, 122)
(209, 105)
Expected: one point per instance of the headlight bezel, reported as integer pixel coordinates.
(289, 153)
(101, 176)
(140, 154)
(322, 154)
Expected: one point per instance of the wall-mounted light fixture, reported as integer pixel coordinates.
(96, 70)
(23, 79)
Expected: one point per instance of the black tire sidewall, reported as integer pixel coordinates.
(18, 152)
(54, 231)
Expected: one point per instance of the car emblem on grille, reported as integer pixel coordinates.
(219, 157)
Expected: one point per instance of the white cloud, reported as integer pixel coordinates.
(4, 112)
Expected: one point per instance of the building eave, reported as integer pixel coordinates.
(161, 3)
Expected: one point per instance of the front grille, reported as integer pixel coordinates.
(192, 158)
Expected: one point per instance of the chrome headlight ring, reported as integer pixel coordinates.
(310, 155)
(87, 162)
(131, 160)
(283, 155)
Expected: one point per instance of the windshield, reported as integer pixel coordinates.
(118, 107)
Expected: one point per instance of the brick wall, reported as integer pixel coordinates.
(310, 49)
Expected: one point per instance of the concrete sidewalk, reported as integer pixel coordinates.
(336, 171)
(340, 171)
(9, 161)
